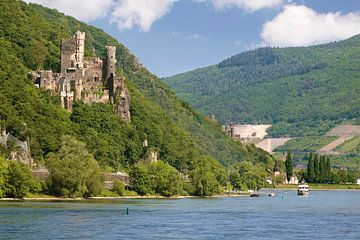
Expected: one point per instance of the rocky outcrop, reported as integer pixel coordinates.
(122, 103)
(20, 151)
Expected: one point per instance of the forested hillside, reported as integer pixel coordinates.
(30, 38)
(302, 91)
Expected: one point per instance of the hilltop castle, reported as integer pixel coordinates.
(86, 79)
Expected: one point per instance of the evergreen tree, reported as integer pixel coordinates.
(310, 169)
(289, 166)
(322, 169)
(328, 170)
(316, 169)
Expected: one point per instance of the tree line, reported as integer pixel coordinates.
(319, 170)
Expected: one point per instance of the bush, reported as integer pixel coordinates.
(118, 187)
(207, 177)
(20, 180)
(73, 171)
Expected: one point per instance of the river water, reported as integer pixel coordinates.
(322, 215)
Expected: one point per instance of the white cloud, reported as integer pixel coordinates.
(298, 25)
(196, 37)
(249, 5)
(128, 14)
(85, 10)
(142, 13)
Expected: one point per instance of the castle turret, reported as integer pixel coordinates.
(110, 61)
(80, 49)
(72, 52)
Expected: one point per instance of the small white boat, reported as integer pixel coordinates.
(303, 189)
(272, 195)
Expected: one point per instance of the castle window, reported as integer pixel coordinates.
(111, 57)
(111, 66)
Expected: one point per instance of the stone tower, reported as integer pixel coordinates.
(110, 61)
(80, 49)
(72, 52)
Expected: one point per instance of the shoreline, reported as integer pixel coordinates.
(240, 195)
(117, 198)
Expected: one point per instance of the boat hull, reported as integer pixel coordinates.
(301, 193)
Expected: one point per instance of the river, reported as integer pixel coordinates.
(322, 215)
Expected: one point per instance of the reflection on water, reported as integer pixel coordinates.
(323, 215)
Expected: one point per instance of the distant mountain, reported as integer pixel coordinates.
(30, 37)
(302, 90)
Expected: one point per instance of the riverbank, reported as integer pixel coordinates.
(319, 187)
(51, 198)
(314, 187)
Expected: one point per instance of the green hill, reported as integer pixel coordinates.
(30, 38)
(302, 90)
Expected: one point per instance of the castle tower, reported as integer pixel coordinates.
(72, 52)
(80, 49)
(110, 61)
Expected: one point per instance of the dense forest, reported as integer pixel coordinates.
(302, 91)
(187, 142)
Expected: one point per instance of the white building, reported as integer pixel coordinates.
(293, 180)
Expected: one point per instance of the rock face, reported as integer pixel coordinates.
(20, 150)
(122, 102)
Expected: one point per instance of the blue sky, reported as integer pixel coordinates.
(174, 36)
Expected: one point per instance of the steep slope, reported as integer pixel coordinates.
(30, 37)
(302, 91)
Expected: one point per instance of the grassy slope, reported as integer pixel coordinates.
(155, 108)
(350, 146)
(305, 144)
(304, 91)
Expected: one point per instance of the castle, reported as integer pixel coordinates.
(86, 79)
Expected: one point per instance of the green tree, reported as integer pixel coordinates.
(73, 170)
(310, 169)
(3, 176)
(139, 180)
(207, 176)
(322, 169)
(118, 187)
(165, 179)
(328, 169)
(289, 166)
(20, 180)
(316, 168)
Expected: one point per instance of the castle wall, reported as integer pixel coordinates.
(47, 80)
(93, 69)
(96, 97)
